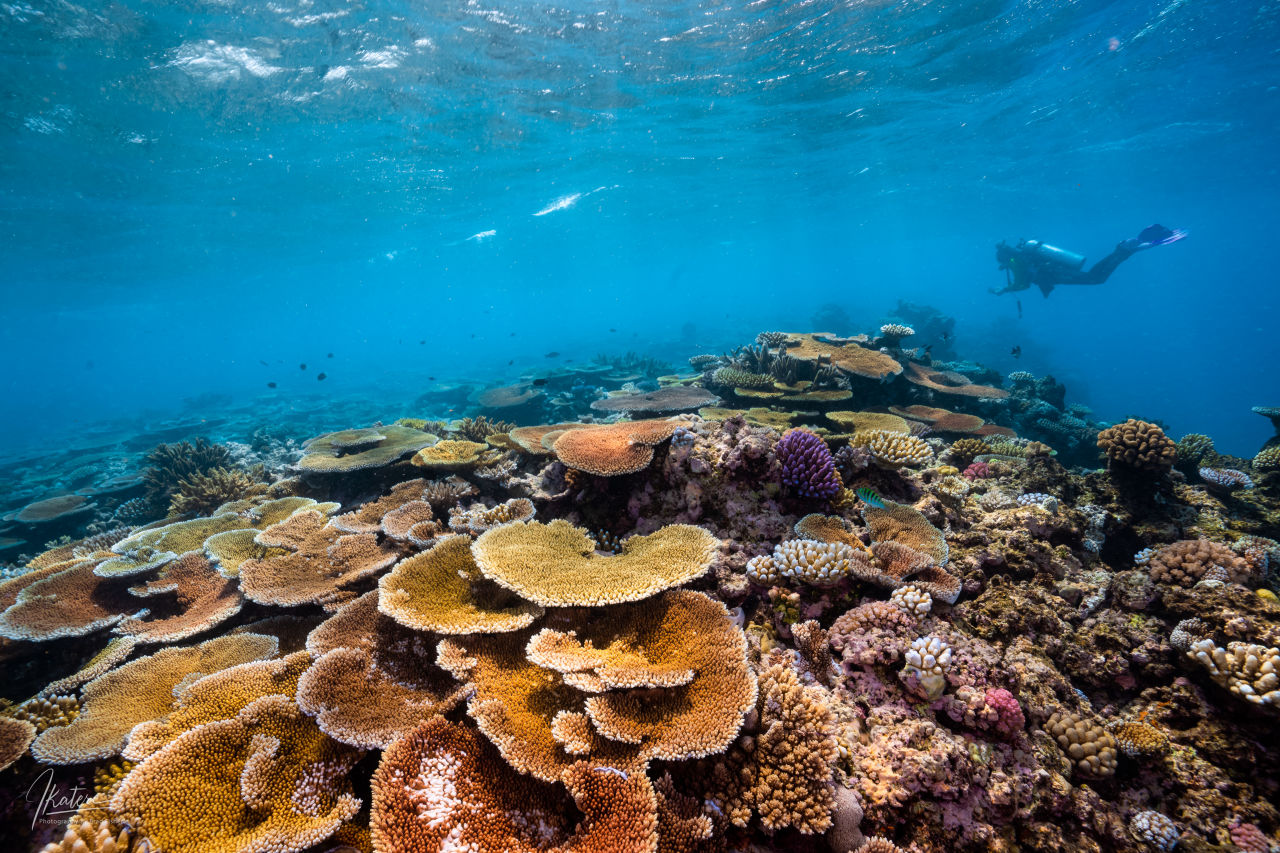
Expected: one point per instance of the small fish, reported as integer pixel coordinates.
(613, 330)
(869, 497)
(511, 362)
(420, 343)
(552, 354)
(473, 334)
(263, 363)
(1016, 352)
(513, 334)
(302, 366)
(320, 377)
(538, 383)
(330, 355)
(946, 336)
(1019, 309)
(271, 384)
(928, 351)
(431, 379)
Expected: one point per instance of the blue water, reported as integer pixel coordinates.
(190, 189)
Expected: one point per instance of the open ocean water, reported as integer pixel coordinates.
(190, 189)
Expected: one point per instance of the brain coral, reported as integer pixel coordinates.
(141, 690)
(443, 786)
(1138, 444)
(442, 590)
(608, 451)
(264, 780)
(555, 564)
(361, 449)
(1185, 562)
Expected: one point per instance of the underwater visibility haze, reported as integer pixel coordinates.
(611, 426)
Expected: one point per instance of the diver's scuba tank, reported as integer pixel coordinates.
(1052, 254)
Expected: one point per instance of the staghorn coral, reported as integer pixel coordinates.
(733, 377)
(443, 786)
(555, 564)
(1085, 741)
(478, 519)
(169, 464)
(1138, 445)
(807, 465)
(615, 449)
(442, 590)
(1249, 670)
(203, 492)
(480, 428)
(266, 779)
(892, 450)
(312, 562)
(1185, 562)
(141, 690)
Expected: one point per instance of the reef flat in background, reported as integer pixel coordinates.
(819, 592)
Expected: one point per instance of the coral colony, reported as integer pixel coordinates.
(816, 594)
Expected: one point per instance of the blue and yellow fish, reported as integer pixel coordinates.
(869, 497)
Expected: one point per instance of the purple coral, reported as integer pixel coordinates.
(977, 471)
(807, 465)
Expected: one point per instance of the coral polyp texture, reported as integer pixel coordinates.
(1138, 444)
(888, 602)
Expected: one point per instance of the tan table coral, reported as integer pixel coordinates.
(444, 787)
(555, 564)
(141, 690)
(442, 590)
(266, 779)
(613, 449)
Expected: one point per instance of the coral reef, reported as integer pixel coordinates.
(893, 624)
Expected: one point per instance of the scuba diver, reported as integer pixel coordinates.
(1033, 262)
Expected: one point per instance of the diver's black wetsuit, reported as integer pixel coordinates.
(1024, 268)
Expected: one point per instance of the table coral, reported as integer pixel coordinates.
(266, 779)
(443, 786)
(555, 564)
(141, 690)
(71, 602)
(442, 590)
(609, 451)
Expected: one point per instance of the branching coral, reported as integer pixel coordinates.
(893, 450)
(1248, 670)
(203, 492)
(1139, 445)
(807, 465)
(170, 464)
(1186, 562)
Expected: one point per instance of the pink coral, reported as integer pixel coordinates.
(875, 632)
(1249, 838)
(977, 471)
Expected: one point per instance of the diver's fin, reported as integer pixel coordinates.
(1158, 235)
(1046, 287)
